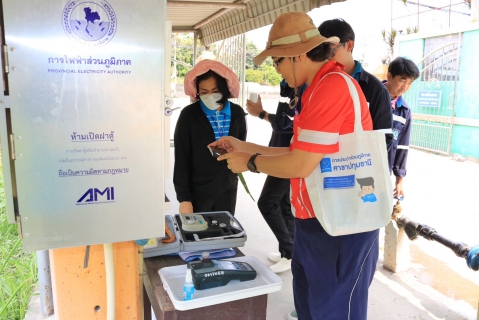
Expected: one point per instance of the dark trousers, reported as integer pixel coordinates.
(332, 275)
(275, 206)
(225, 201)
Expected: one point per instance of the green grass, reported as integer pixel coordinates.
(18, 270)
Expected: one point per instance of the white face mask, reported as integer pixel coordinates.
(210, 100)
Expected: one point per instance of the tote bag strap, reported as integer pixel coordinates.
(355, 96)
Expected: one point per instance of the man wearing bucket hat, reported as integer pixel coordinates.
(331, 275)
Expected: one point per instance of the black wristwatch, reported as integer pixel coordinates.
(251, 166)
(262, 114)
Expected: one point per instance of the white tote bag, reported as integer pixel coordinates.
(351, 190)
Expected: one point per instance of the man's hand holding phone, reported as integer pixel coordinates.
(217, 151)
(235, 157)
(228, 143)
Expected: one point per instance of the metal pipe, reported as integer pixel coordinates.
(391, 13)
(455, 86)
(443, 9)
(181, 62)
(241, 6)
(183, 31)
(110, 281)
(45, 283)
(6, 64)
(195, 46)
(141, 268)
(450, 2)
(243, 67)
(462, 250)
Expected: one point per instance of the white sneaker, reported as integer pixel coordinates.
(274, 256)
(292, 315)
(282, 266)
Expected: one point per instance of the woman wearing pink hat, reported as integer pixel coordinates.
(203, 184)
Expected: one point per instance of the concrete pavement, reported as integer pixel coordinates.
(439, 192)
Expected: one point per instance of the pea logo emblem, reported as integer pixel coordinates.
(325, 165)
(92, 23)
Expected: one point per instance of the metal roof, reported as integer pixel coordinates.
(216, 20)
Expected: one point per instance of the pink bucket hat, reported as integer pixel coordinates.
(203, 67)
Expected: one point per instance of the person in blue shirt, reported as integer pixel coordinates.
(274, 202)
(401, 74)
(202, 183)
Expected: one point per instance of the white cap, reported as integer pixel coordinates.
(188, 277)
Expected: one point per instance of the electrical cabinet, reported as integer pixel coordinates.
(82, 120)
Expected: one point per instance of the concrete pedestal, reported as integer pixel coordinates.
(396, 248)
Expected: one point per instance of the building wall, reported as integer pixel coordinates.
(412, 49)
(465, 138)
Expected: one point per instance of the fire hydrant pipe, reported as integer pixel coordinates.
(110, 281)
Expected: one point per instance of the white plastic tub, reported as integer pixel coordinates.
(265, 282)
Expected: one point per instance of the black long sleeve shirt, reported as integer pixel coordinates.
(195, 170)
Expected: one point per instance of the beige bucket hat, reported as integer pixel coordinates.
(291, 35)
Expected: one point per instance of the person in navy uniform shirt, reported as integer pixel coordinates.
(401, 74)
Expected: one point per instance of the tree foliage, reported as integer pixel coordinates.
(389, 39)
(182, 51)
(263, 74)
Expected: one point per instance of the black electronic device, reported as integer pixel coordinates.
(209, 273)
(217, 151)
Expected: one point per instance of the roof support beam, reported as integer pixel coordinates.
(248, 18)
(221, 5)
(184, 31)
(217, 14)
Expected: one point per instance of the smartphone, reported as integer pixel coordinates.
(217, 151)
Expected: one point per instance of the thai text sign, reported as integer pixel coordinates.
(429, 99)
(87, 91)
